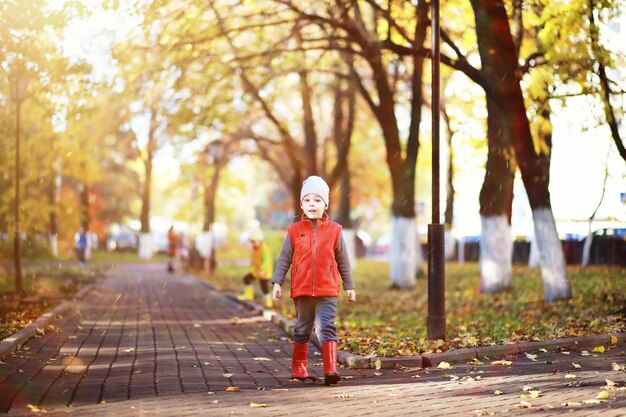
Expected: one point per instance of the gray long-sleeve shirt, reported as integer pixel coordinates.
(341, 256)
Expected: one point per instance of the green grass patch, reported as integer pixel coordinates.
(393, 322)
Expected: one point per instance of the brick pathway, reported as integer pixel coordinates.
(148, 343)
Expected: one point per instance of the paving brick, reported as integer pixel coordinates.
(153, 351)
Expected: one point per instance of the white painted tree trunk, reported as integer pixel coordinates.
(404, 258)
(587, 247)
(552, 261)
(496, 254)
(533, 256)
(461, 252)
(146, 247)
(450, 244)
(54, 245)
(349, 238)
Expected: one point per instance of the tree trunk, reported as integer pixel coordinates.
(496, 199)
(605, 87)
(497, 52)
(145, 239)
(448, 214)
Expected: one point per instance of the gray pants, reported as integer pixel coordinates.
(320, 311)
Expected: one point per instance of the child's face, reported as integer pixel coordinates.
(313, 206)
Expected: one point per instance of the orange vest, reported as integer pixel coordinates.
(314, 268)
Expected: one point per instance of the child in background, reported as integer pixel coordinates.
(262, 266)
(172, 246)
(317, 254)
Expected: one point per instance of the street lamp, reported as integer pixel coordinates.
(18, 83)
(436, 319)
(216, 150)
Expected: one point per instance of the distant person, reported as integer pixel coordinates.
(182, 252)
(172, 247)
(81, 245)
(317, 254)
(262, 267)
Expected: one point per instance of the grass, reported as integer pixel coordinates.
(391, 322)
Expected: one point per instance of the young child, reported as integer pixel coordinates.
(262, 266)
(318, 257)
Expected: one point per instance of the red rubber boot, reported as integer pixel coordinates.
(298, 361)
(329, 354)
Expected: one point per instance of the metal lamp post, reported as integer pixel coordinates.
(18, 83)
(216, 150)
(436, 320)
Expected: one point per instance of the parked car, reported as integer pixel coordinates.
(122, 240)
(608, 246)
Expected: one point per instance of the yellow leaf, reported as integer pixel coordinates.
(256, 405)
(613, 340)
(36, 409)
(378, 364)
(444, 365)
(502, 362)
(534, 394)
(576, 365)
(599, 349)
(616, 367)
(610, 383)
(602, 395)
(233, 389)
(570, 376)
(497, 392)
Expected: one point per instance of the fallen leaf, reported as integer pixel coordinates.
(256, 405)
(129, 350)
(598, 349)
(592, 402)
(261, 359)
(378, 364)
(444, 365)
(602, 395)
(526, 388)
(543, 350)
(36, 409)
(227, 375)
(576, 365)
(525, 404)
(531, 356)
(502, 362)
(497, 392)
(534, 393)
(570, 376)
(585, 353)
(613, 340)
(610, 383)
(616, 367)
(565, 352)
(233, 389)
(378, 373)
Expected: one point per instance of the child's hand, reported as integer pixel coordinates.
(276, 293)
(351, 296)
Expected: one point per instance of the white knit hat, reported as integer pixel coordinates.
(256, 235)
(315, 185)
